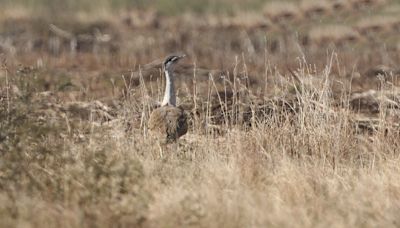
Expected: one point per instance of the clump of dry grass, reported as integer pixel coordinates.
(367, 3)
(377, 25)
(248, 21)
(52, 159)
(312, 8)
(338, 5)
(282, 11)
(337, 34)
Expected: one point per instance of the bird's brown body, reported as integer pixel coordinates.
(168, 123)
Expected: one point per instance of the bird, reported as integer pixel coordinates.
(169, 122)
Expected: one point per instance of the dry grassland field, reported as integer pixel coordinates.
(292, 107)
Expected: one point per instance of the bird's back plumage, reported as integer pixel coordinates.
(169, 122)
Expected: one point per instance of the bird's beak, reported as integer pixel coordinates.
(182, 56)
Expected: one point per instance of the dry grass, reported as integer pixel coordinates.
(78, 165)
(381, 24)
(319, 148)
(337, 34)
(282, 11)
(313, 8)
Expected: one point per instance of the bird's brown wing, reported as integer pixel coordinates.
(181, 123)
(157, 121)
(169, 121)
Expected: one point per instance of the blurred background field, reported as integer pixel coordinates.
(168, 7)
(294, 113)
(117, 36)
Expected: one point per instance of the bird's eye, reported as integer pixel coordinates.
(173, 59)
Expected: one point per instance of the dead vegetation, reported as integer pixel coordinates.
(336, 34)
(291, 124)
(281, 11)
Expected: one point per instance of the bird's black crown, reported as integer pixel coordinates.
(173, 59)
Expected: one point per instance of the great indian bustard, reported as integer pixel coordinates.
(169, 122)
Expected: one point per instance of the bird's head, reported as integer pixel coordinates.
(171, 61)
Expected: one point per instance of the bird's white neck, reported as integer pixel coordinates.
(169, 94)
